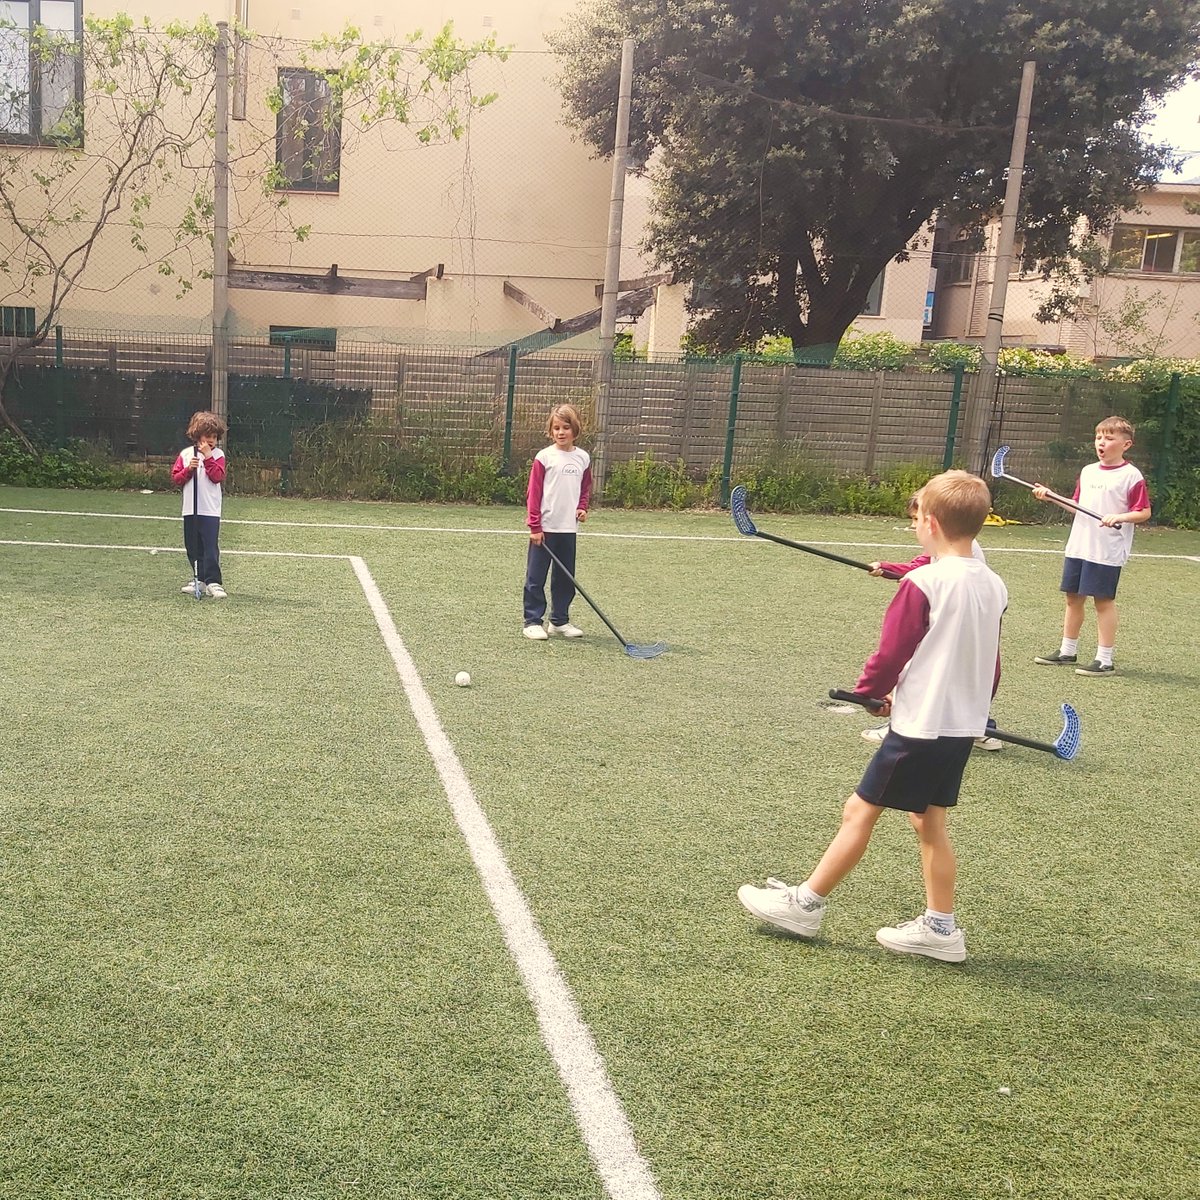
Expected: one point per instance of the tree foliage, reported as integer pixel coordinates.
(798, 146)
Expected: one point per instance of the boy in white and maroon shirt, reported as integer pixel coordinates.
(939, 661)
(200, 470)
(1097, 550)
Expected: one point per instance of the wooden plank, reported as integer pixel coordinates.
(329, 284)
(525, 300)
(642, 281)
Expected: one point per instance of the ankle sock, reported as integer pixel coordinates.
(1069, 646)
(940, 922)
(808, 899)
(1104, 654)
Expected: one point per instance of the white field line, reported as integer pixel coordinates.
(635, 537)
(170, 549)
(598, 1111)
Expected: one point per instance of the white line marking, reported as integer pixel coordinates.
(442, 529)
(598, 1111)
(172, 549)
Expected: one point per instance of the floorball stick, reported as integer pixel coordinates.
(741, 518)
(634, 651)
(1066, 747)
(998, 472)
(197, 586)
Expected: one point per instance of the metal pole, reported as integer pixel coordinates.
(220, 302)
(612, 261)
(735, 387)
(239, 61)
(952, 424)
(506, 462)
(985, 380)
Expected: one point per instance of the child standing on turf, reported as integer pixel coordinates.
(939, 658)
(199, 470)
(898, 571)
(560, 490)
(1096, 550)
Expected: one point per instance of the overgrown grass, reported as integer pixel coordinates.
(245, 952)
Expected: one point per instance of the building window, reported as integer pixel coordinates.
(41, 71)
(17, 322)
(874, 304)
(304, 335)
(308, 133)
(1154, 251)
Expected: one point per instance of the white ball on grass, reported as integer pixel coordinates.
(153, 551)
(462, 679)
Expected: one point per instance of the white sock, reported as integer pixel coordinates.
(809, 899)
(940, 922)
(1069, 646)
(1104, 654)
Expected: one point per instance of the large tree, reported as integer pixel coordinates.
(798, 146)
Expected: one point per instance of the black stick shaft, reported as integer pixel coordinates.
(1087, 512)
(1015, 738)
(849, 562)
(595, 606)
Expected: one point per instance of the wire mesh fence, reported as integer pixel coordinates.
(299, 407)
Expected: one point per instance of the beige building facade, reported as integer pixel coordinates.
(496, 236)
(1146, 302)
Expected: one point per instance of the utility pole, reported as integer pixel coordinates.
(985, 380)
(220, 275)
(612, 262)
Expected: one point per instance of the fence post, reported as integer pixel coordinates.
(735, 387)
(60, 433)
(1164, 457)
(952, 423)
(510, 396)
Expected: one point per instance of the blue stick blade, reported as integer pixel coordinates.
(1069, 740)
(998, 462)
(652, 651)
(737, 509)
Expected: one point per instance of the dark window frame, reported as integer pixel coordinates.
(316, 139)
(17, 320)
(35, 135)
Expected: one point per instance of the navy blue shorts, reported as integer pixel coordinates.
(912, 773)
(1084, 578)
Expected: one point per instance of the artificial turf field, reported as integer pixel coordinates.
(247, 950)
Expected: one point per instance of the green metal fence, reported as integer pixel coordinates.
(131, 396)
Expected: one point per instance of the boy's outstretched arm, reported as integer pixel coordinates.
(904, 626)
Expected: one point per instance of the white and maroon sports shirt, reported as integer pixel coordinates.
(208, 502)
(939, 650)
(1118, 489)
(560, 484)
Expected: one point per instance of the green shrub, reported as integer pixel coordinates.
(873, 352)
(363, 460)
(1012, 360)
(644, 482)
(76, 465)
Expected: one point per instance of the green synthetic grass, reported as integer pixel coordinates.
(246, 953)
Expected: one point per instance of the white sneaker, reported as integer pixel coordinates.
(567, 631)
(875, 735)
(778, 905)
(916, 937)
(217, 592)
(535, 633)
(988, 743)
